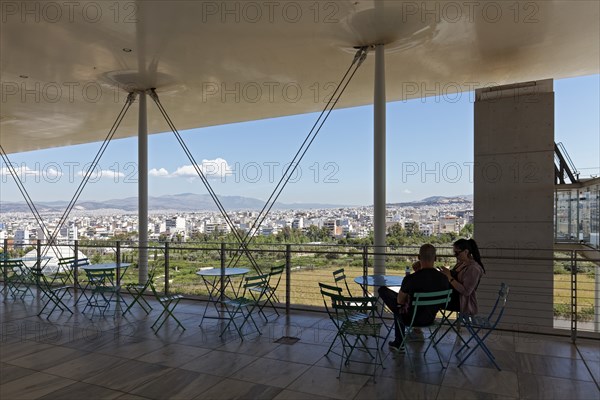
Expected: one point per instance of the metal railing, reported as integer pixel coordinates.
(574, 282)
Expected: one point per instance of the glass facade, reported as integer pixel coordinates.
(577, 215)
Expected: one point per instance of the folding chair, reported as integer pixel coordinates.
(168, 303)
(52, 293)
(346, 307)
(137, 292)
(438, 299)
(243, 305)
(478, 325)
(328, 292)
(18, 278)
(104, 289)
(270, 290)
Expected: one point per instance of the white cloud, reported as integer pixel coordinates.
(103, 174)
(212, 169)
(53, 173)
(161, 172)
(406, 191)
(186, 171)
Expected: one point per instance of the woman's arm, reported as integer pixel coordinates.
(469, 277)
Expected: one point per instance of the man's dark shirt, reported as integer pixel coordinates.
(424, 280)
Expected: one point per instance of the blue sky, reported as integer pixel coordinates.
(429, 152)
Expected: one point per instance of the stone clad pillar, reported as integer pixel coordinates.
(513, 199)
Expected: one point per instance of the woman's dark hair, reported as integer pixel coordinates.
(471, 246)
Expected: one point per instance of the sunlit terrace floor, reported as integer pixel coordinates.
(75, 357)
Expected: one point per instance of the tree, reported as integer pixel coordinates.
(467, 231)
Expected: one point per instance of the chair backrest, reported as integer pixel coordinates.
(328, 292)
(16, 269)
(275, 276)
(255, 285)
(339, 276)
(422, 299)
(351, 305)
(255, 281)
(69, 263)
(500, 302)
(15, 266)
(278, 270)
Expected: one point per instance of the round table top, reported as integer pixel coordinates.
(227, 272)
(379, 280)
(101, 267)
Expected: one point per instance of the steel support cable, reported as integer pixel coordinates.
(203, 178)
(359, 57)
(25, 194)
(129, 101)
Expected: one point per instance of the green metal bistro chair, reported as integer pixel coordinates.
(137, 292)
(438, 299)
(270, 290)
(18, 278)
(243, 305)
(54, 294)
(481, 327)
(168, 303)
(355, 334)
(328, 292)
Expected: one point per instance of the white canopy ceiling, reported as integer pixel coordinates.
(66, 66)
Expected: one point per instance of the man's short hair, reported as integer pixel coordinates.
(427, 252)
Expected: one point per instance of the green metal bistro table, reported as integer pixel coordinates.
(103, 279)
(217, 282)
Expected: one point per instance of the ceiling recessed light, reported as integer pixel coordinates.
(24, 76)
(127, 50)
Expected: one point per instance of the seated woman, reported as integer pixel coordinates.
(465, 276)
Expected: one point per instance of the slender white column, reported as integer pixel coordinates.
(143, 189)
(379, 160)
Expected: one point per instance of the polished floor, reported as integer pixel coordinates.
(83, 357)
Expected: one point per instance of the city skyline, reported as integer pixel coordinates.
(247, 159)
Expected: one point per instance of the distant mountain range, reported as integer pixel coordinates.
(199, 202)
(436, 200)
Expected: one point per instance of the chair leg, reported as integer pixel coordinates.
(168, 308)
(138, 298)
(332, 343)
(479, 343)
(268, 301)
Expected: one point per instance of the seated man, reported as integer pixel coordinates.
(424, 279)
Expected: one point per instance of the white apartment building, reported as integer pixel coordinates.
(449, 224)
(69, 233)
(21, 238)
(427, 229)
(298, 223)
(175, 224)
